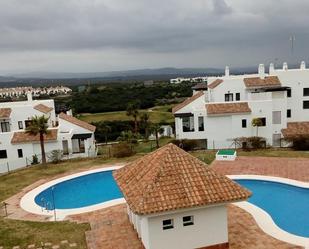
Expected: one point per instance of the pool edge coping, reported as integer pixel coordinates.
(263, 219)
(28, 203)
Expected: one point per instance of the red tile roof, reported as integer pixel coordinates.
(296, 129)
(24, 137)
(170, 179)
(5, 112)
(215, 83)
(43, 108)
(77, 122)
(187, 101)
(269, 81)
(227, 108)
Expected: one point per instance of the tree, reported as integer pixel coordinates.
(132, 110)
(156, 129)
(39, 126)
(105, 129)
(256, 122)
(144, 123)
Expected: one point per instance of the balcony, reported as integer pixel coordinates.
(259, 96)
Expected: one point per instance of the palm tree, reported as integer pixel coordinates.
(156, 129)
(39, 126)
(256, 122)
(144, 122)
(132, 110)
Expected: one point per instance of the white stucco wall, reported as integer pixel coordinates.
(210, 228)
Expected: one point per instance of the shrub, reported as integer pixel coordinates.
(299, 142)
(55, 156)
(186, 144)
(122, 150)
(35, 160)
(256, 142)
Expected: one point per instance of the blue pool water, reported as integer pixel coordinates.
(286, 204)
(81, 191)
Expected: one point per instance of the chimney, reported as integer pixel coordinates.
(262, 71)
(285, 66)
(29, 96)
(303, 65)
(271, 68)
(227, 71)
(69, 112)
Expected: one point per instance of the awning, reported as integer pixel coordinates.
(181, 115)
(82, 136)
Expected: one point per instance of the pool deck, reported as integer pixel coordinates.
(111, 229)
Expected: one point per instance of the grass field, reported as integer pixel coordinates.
(23, 233)
(157, 114)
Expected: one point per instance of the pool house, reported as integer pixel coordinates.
(175, 201)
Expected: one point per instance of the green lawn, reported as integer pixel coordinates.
(23, 233)
(157, 114)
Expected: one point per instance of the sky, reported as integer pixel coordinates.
(108, 35)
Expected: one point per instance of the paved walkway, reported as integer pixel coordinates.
(292, 168)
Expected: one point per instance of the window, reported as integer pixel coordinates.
(276, 117)
(306, 104)
(289, 92)
(244, 123)
(20, 125)
(228, 97)
(237, 96)
(187, 221)
(20, 153)
(5, 126)
(200, 123)
(168, 224)
(306, 91)
(188, 124)
(27, 123)
(288, 113)
(3, 154)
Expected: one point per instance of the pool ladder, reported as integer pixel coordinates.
(45, 205)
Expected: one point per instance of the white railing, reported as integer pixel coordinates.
(259, 96)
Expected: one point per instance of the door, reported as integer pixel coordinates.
(276, 140)
(65, 147)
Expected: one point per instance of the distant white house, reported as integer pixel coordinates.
(194, 79)
(22, 91)
(73, 137)
(224, 110)
(175, 202)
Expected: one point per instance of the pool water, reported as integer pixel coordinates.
(287, 205)
(80, 192)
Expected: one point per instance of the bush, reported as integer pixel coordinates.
(186, 144)
(299, 142)
(248, 143)
(35, 160)
(122, 150)
(55, 156)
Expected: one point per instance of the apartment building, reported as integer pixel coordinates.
(225, 109)
(72, 136)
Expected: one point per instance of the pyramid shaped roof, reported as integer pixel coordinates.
(170, 179)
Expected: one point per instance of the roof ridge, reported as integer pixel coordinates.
(187, 101)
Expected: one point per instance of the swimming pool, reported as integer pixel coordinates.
(82, 191)
(287, 205)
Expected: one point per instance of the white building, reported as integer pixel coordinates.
(224, 111)
(194, 79)
(73, 137)
(175, 201)
(22, 91)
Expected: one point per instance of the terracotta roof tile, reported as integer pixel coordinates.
(215, 83)
(269, 81)
(24, 137)
(296, 128)
(170, 179)
(5, 112)
(228, 108)
(77, 122)
(187, 101)
(43, 108)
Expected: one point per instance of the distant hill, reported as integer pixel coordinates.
(55, 78)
